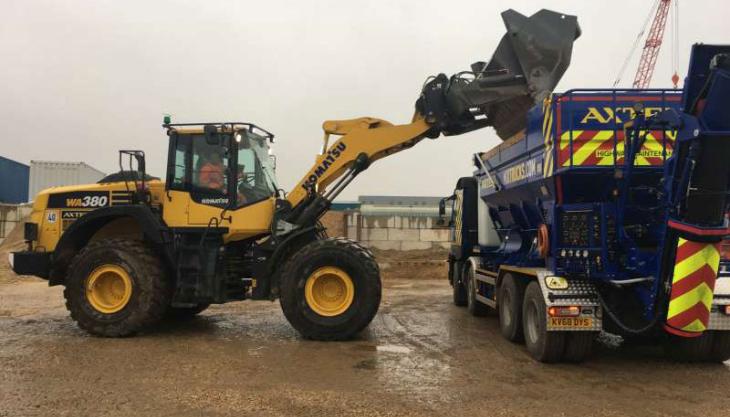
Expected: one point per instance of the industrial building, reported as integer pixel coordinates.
(19, 184)
(391, 222)
(13, 181)
(45, 174)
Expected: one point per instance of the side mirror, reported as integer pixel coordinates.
(442, 210)
(211, 135)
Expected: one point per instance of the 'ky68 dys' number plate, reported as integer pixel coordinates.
(570, 322)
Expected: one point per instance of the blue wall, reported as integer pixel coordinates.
(13, 181)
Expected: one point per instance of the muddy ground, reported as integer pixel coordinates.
(421, 356)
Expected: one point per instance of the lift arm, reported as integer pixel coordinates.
(526, 66)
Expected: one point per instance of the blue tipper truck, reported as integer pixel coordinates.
(607, 213)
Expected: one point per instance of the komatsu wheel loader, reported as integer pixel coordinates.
(220, 229)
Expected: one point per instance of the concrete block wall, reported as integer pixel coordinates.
(12, 215)
(396, 232)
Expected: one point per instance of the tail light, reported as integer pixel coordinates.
(564, 311)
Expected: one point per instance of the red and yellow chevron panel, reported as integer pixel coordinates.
(693, 283)
(596, 148)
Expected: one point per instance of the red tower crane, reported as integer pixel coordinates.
(653, 44)
(651, 47)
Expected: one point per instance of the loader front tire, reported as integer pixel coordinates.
(116, 287)
(330, 289)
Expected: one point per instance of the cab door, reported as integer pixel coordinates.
(198, 181)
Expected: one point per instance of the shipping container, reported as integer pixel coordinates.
(13, 181)
(45, 174)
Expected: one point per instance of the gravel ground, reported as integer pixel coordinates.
(421, 356)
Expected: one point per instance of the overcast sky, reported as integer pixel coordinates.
(82, 79)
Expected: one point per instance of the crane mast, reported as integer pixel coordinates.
(651, 47)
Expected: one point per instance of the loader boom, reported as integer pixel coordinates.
(373, 138)
(526, 66)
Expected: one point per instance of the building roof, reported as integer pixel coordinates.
(2, 158)
(65, 163)
(399, 200)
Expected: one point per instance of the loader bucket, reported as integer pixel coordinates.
(530, 60)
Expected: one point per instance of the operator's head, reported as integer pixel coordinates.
(212, 172)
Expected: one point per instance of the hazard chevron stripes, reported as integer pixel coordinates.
(596, 148)
(457, 216)
(547, 133)
(693, 282)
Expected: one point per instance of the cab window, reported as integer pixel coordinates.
(198, 166)
(210, 167)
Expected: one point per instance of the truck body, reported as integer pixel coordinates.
(613, 202)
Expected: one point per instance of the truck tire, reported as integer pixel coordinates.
(543, 345)
(689, 349)
(475, 307)
(712, 346)
(116, 287)
(509, 301)
(578, 346)
(720, 346)
(330, 289)
(457, 284)
(185, 313)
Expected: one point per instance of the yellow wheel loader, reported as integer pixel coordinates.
(132, 249)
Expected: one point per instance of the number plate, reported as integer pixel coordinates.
(570, 323)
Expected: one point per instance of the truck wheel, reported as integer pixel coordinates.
(185, 313)
(511, 292)
(689, 349)
(473, 305)
(578, 346)
(543, 345)
(457, 284)
(712, 346)
(116, 287)
(330, 289)
(720, 346)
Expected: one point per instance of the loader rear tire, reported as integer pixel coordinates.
(457, 284)
(116, 287)
(543, 345)
(509, 302)
(330, 289)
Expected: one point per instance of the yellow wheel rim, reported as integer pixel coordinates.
(329, 291)
(108, 288)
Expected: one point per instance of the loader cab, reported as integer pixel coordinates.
(226, 165)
